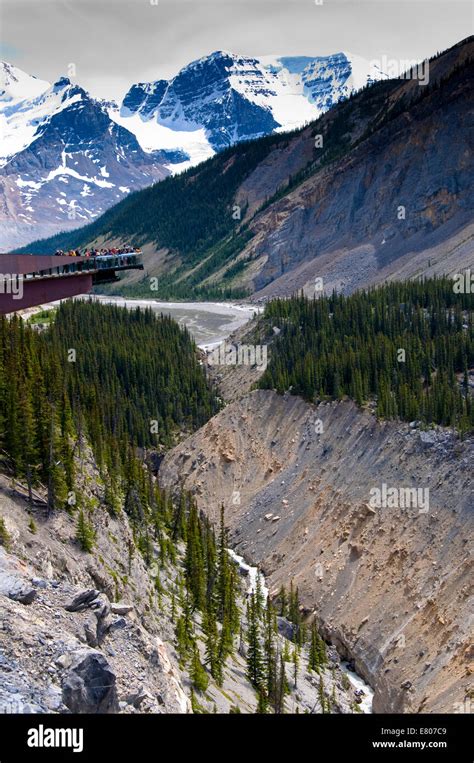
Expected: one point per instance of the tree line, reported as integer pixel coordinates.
(408, 346)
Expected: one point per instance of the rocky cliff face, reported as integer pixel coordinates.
(89, 633)
(80, 632)
(389, 585)
(398, 204)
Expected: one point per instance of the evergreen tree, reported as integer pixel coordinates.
(194, 559)
(85, 534)
(198, 674)
(255, 663)
(296, 663)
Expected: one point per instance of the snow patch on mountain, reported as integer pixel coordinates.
(153, 136)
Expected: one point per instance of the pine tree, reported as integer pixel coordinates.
(194, 559)
(255, 663)
(322, 697)
(183, 641)
(283, 602)
(211, 635)
(5, 537)
(270, 651)
(32, 526)
(314, 650)
(262, 704)
(85, 534)
(198, 674)
(296, 662)
(282, 688)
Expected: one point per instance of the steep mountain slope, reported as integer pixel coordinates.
(389, 586)
(59, 134)
(43, 642)
(380, 185)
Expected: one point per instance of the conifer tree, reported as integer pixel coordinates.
(262, 704)
(270, 651)
(255, 664)
(296, 663)
(194, 560)
(198, 674)
(85, 534)
(211, 635)
(282, 597)
(317, 651)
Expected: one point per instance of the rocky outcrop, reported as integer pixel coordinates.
(389, 585)
(89, 686)
(70, 640)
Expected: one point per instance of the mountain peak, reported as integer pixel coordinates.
(17, 85)
(218, 100)
(61, 83)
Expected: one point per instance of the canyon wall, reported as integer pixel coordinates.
(388, 586)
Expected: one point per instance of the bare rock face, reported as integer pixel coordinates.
(90, 685)
(70, 638)
(389, 585)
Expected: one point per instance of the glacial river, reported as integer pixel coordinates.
(209, 323)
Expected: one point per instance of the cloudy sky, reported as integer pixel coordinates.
(114, 43)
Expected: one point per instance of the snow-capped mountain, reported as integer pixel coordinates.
(64, 161)
(232, 98)
(66, 157)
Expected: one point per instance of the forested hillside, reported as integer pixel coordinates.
(407, 345)
(190, 215)
(78, 405)
(120, 379)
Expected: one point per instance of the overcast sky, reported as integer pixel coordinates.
(114, 43)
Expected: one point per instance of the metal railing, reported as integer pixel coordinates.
(124, 261)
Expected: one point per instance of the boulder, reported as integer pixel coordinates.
(117, 624)
(16, 587)
(82, 601)
(90, 685)
(428, 438)
(90, 633)
(24, 595)
(121, 609)
(285, 628)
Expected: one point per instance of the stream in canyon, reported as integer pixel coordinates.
(211, 323)
(253, 574)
